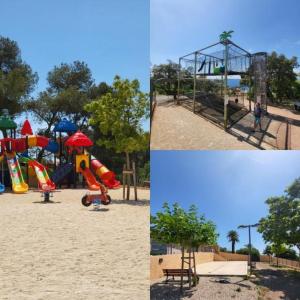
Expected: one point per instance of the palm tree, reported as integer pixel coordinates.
(233, 237)
(225, 35)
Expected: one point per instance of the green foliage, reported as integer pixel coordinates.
(255, 255)
(233, 237)
(118, 115)
(281, 226)
(144, 173)
(225, 35)
(165, 78)
(281, 77)
(223, 249)
(268, 250)
(66, 95)
(289, 253)
(185, 228)
(16, 77)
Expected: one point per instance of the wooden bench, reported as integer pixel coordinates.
(177, 273)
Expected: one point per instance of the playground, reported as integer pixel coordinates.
(218, 90)
(175, 127)
(69, 162)
(64, 220)
(64, 250)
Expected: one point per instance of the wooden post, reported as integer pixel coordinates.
(134, 181)
(124, 181)
(182, 266)
(127, 174)
(190, 269)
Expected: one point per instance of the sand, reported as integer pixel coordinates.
(63, 250)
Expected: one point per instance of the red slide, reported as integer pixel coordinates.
(91, 181)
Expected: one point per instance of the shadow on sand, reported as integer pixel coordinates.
(169, 291)
(139, 202)
(46, 202)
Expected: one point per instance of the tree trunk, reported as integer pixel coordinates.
(182, 265)
(128, 176)
(232, 247)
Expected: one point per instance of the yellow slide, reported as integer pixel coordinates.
(19, 186)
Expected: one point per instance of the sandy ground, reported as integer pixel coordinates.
(63, 250)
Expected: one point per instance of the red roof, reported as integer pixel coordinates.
(79, 139)
(26, 129)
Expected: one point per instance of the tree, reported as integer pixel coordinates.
(274, 227)
(281, 76)
(289, 253)
(255, 255)
(185, 228)
(68, 91)
(233, 237)
(70, 88)
(17, 80)
(268, 250)
(281, 226)
(118, 116)
(225, 35)
(165, 78)
(293, 198)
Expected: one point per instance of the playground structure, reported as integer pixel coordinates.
(70, 159)
(204, 81)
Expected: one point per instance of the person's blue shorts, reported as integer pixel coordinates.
(257, 120)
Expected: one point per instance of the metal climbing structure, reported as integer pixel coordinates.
(205, 81)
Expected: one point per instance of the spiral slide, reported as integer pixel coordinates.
(42, 176)
(18, 184)
(91, 181)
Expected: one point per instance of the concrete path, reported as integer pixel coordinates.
(176, 128)
(223, 268)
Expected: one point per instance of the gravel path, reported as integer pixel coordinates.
(270, 283)
(208, 288)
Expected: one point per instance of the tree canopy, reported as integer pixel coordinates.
(233, 237)
(17, 80)
(281, 77)
(119, 114)
(282, 225)
(188, 229)
(255, 255)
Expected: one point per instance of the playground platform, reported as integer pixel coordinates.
(223, 268)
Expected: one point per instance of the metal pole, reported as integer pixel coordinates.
(195, 71)
(250, 248)
(226, 86)
(178, 88)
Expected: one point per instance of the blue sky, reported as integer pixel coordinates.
(112, 37)
(229, 187)
(180, 27)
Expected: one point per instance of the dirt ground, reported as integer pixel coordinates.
(269, 283)
(277, 283)
(176, 128)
